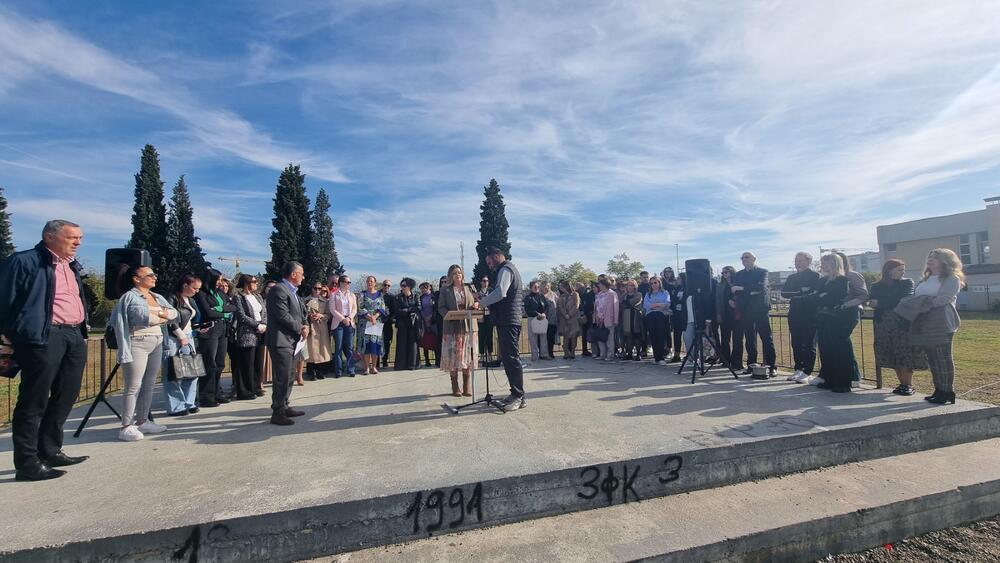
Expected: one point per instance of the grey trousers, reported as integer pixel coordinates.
(942, 364)
(140, 378)
(282, 375)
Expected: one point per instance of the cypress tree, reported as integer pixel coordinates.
(6, 232)
(291, 238)
(324, 260)
(149, 215)
(184, 253)
(493, 228)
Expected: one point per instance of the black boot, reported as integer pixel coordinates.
(933, 396)
(942, 398)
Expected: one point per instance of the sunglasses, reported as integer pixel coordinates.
(149, 275)
(318, 288)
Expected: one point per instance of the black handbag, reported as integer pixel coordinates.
(598, 334)
(110, 338)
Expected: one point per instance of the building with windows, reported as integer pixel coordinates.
(968, 234)
(866, 262)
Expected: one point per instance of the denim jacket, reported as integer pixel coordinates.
(132, 312)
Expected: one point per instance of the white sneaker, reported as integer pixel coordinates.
(150, 427)
(130, 434)
(816, 380)
(803, 377)
(795, 376)
(855, 385)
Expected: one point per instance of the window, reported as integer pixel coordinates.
(890, 247)
(983, 241)
(965, 249)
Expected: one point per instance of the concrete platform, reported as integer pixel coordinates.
(377, 460)
(801, 517)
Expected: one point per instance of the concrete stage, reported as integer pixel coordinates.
(377, 460)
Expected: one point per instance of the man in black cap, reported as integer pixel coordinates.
(505, 303)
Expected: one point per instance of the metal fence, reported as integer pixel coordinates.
(100, 361)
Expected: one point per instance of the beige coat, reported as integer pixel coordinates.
(447, 302)
(569, 314)
(319, 343)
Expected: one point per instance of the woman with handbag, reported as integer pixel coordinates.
(933, 330)
(459, 343)
(428, 341)
(140, 324)
(605, 320)
(371, 310)
(318, 343)
(180, 379)
(535, 306)
(569, 318)
(215, 311)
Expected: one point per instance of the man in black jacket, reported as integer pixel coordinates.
(286, 315)
(43, 314)
(754, 304)
(799, 289)
(390, 307)
(506, 306)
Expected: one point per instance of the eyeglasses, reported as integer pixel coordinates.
(149, 275)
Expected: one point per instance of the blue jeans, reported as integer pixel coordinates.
(343, 341)
(181, 394)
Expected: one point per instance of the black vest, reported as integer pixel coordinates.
(508, 311)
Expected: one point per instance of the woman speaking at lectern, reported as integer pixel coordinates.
(459, 344)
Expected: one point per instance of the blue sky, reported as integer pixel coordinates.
(611, 126)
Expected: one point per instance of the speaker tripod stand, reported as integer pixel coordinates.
(696, 355)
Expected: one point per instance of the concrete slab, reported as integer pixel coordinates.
(801, 517)
(377, 459)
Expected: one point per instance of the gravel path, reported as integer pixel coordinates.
(975, 543)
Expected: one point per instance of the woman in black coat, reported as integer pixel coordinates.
(216, 310)
(835, 323)
(406, 313)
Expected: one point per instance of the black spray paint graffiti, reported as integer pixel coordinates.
(607, 483)
(438, 502)
(193, 544)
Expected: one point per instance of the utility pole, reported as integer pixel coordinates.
(461, 254)
(677, 250)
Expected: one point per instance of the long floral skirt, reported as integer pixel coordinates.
(456, 354)
(892, 344)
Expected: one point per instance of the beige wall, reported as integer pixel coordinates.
(914, 253)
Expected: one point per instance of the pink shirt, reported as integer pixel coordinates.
(67, 308)
(606, 307)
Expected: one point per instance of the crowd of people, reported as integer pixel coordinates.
(270, 333)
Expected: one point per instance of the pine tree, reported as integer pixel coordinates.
(324, 261)
(493, 228)
(6, 232)
(291, 238)
(149, 215)
(184, 253)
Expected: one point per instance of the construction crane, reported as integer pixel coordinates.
(237, 260)
(844, 250)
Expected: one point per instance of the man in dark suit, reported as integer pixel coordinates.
(43, 313)
(754, 305)
(286, 325)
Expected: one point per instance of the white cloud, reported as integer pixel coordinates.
(50, 50)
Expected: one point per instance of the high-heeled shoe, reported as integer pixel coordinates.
(943, 399)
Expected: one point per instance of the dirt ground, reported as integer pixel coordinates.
(975, 543)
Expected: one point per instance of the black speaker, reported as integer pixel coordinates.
(114, 259)
(699, 275)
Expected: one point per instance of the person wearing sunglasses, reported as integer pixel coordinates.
(140, 325)
(319, 343)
